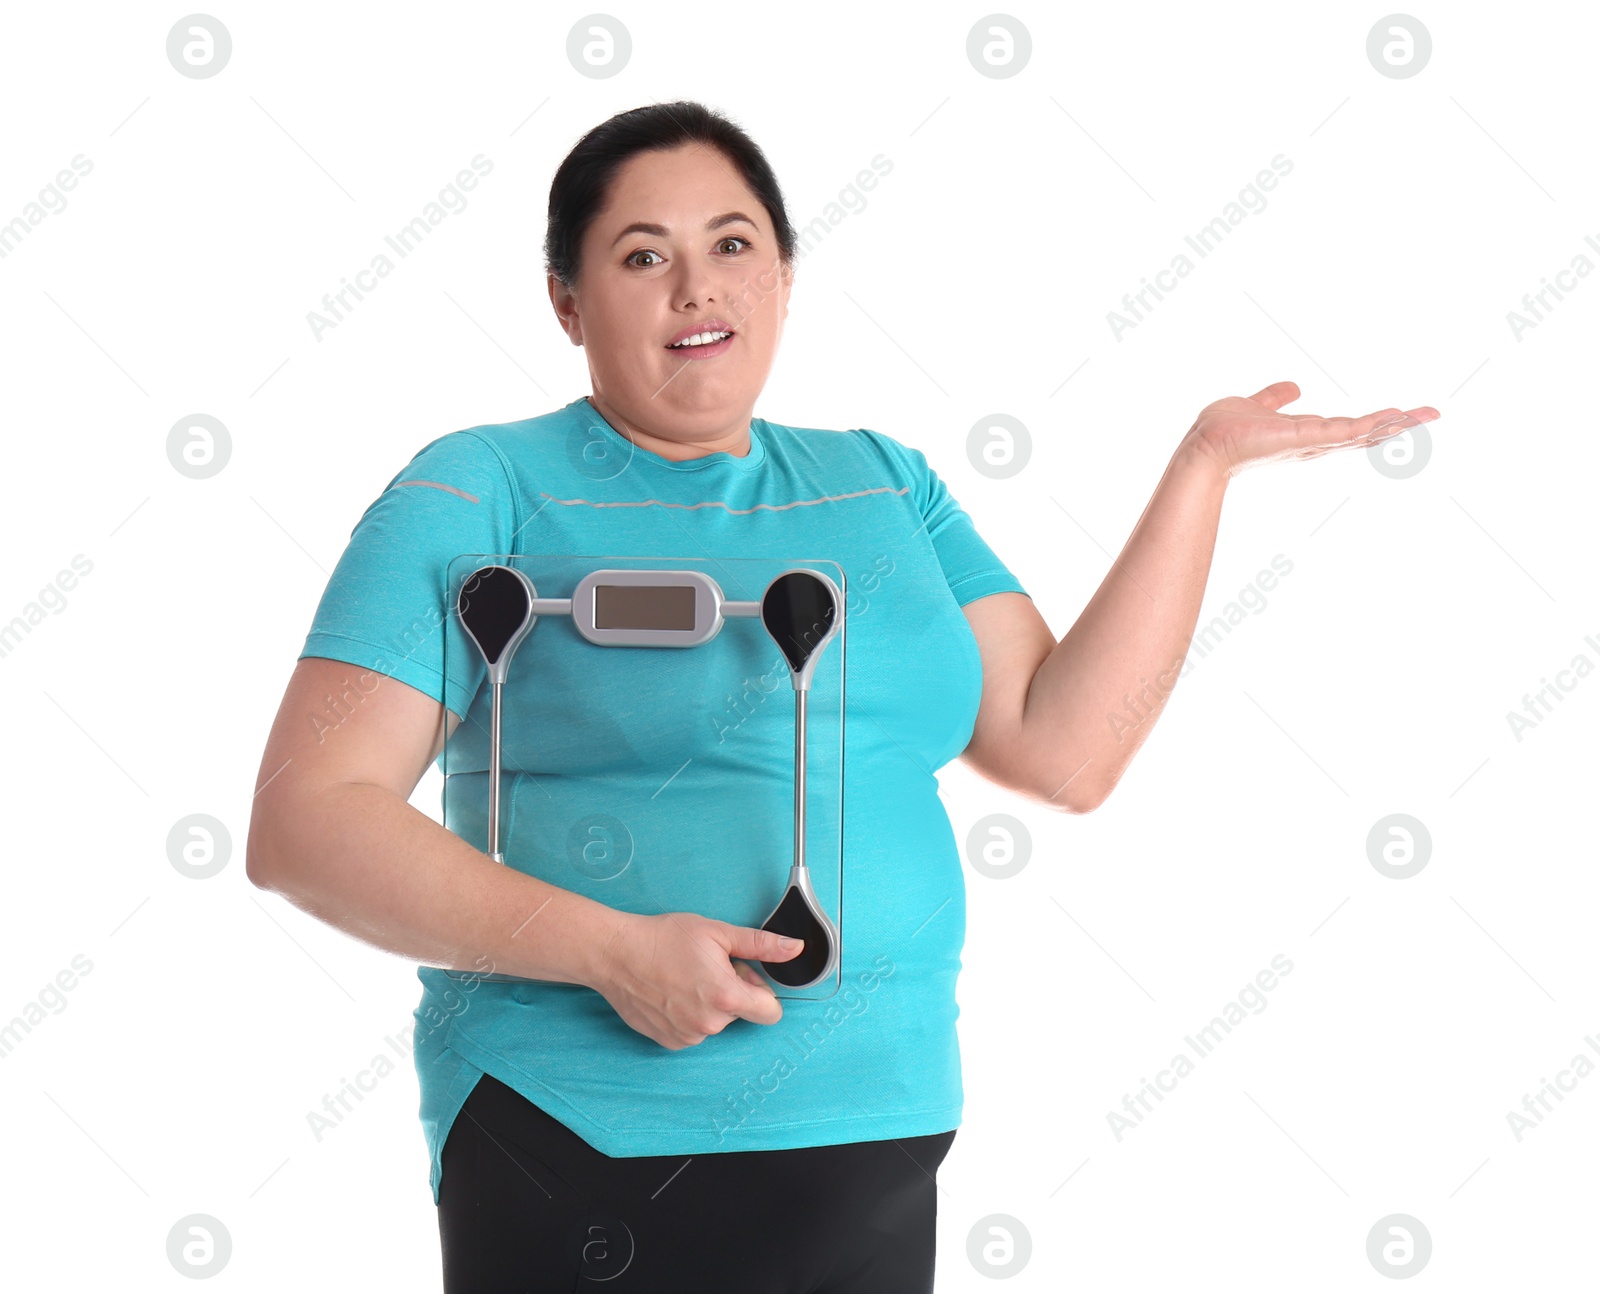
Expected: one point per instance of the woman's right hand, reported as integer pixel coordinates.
(672, 977)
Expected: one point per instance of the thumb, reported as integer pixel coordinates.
(761, 945)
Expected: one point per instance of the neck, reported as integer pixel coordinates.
(736, 442)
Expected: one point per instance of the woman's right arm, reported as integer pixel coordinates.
(332, 830)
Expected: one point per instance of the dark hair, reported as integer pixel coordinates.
(583, 180)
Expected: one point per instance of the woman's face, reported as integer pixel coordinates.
(638, 290)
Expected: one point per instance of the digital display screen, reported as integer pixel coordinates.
(644, 606)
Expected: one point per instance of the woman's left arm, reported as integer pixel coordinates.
(1059, 722)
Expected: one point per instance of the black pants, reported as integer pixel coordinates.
(526, 1205)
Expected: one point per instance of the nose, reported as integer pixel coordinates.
(694, 284)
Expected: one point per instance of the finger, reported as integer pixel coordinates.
(1423, 413)
(1385, 427)
(1385, 422)
(1277, 395)
(1406, 417)
(1318, 435)
(1334, 433)
(760, 945)
(761, 1004)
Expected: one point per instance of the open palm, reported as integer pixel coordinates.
(1239, 432)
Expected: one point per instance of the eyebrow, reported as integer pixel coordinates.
(661, 231)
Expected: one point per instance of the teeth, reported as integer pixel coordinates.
(699, 339)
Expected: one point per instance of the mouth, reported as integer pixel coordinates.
(704, 341)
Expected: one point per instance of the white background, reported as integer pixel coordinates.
(977, 279)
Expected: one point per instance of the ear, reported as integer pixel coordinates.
(785, 286)
(566, 308)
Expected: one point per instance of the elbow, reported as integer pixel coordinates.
(283, 850)
(260, 860)
(1076, 795)
(1075, 805)
(283, 820)
(255, 864)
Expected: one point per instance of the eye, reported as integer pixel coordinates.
(645, 251)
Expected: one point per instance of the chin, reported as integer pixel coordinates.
(700, 405)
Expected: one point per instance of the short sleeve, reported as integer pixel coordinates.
(387, 605)
(971, 567)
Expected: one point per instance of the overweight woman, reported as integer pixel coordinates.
(637, 1106)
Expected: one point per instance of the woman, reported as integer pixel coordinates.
(632, 1113)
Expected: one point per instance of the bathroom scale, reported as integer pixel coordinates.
(658, 734)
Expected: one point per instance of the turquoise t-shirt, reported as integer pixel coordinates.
(880, 1057)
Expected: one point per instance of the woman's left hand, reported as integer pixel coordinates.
(1237, 433)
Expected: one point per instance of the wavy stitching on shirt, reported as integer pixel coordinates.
(718, 503)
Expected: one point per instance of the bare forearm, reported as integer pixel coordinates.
(1097, 695)
(362, 859)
